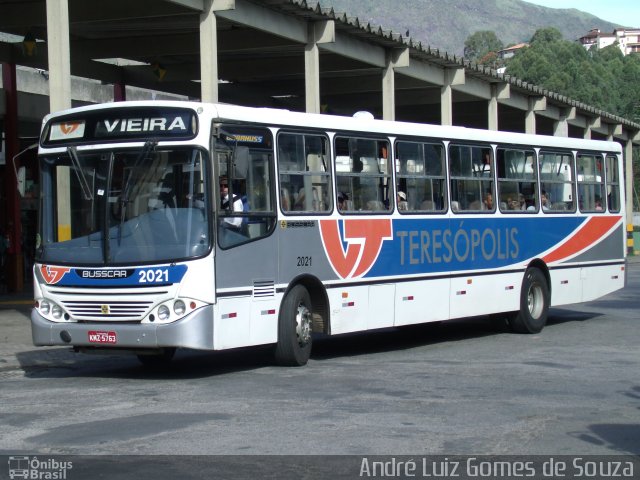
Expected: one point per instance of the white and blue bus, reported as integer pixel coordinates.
(169, 225)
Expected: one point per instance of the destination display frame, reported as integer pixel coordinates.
(125, 124)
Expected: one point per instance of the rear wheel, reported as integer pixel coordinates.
(534, 303)
(294, 328)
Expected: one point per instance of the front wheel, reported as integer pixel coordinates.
(534, 303)
(294, 328)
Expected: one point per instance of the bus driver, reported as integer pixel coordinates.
(231, 222)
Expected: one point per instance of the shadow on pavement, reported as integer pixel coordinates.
(64, 362)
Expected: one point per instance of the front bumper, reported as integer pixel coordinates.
(193, 331)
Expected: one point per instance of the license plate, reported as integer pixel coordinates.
(103, 337)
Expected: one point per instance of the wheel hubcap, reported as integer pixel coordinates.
(303, 325)
(535, 301)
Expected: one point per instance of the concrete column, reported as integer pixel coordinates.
(613, 130)
(499, 91)
(561, 127)
(13, 226)
(492, 113)
(119, 92)
(395, 58)
(312, 73)
(317, 33)
(451, 77)
(530, 119)
(208, 54)
(535, 104)
(628, 177)
(59, 55)
(60, 97)
(592, 123)
(446, 104)
(388, 92)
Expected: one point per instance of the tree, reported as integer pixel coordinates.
(546, 35)
(603, 78)
(479, 44)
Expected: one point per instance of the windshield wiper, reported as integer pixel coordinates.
(149, 146)
(106, 243)
(82, 179)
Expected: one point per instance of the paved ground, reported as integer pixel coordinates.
(455, 388)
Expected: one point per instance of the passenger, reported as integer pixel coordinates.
(284, 199)
(545, 201)
(402, 201)
(233, 222)
(300, 200)
(598, 203)
(343, 198)
(488, 201)
(486, 164)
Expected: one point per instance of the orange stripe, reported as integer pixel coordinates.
(592, 231)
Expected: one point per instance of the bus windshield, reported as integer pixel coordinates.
(108, 207)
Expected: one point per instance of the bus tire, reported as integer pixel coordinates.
(294, 328)
(534, 304)
(157, 361)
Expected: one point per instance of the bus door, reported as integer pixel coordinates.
(245, 264)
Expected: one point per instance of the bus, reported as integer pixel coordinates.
(168, 225)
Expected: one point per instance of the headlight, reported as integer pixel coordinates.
(56, 311)
(179, 307)
(163, 312)
(45, 307)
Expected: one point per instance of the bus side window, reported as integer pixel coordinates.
(517, 181)
(250, 156)
(556, 171)
(420, 176)
(471, 174)
(363, 173)
(590, 183)
(305, 176)
(613, 183)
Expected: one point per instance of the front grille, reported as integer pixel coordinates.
(109, 310)
(108, 305)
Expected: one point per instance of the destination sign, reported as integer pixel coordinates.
(122, 124)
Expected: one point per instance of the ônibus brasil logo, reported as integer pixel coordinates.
(363, 239)
(53, 275)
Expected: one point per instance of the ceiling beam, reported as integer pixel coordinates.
(197, 5)
(264, 19)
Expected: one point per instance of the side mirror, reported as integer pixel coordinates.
(21, 172)
(20, 176)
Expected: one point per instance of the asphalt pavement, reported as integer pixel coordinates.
(15, 331)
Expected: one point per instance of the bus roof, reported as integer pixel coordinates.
(286, 118)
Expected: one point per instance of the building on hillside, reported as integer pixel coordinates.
(509, 52)
(627, 39)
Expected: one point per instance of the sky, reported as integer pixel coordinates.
(625, 13)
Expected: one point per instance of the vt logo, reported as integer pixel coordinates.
(363, 239)
(69, 127)
(53, 275)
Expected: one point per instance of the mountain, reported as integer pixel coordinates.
(446, 24)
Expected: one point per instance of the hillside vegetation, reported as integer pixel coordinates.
(446, 24)
(602, 78)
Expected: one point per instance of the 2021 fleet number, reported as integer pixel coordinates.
(154, 276)
(303, 262)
